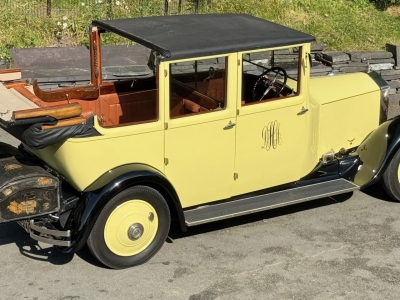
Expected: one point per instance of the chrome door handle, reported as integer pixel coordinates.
(302, 111)
(229, 126)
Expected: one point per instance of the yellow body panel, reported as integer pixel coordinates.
(328, 89)
(82, 160)
(267, 147)
(200, 152)
(347, 108)
(269, 138)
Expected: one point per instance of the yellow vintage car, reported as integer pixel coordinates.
(229, 123)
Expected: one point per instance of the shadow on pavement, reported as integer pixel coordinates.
(377, 191)
(13, 233)
(85, 255)
(31, 249)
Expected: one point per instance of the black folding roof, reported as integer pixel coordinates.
(185, 36)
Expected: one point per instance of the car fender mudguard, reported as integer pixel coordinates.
(95, 197)
(376, 152)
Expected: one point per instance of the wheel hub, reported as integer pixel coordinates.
(135, 231)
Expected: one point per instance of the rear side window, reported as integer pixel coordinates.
(198, 86)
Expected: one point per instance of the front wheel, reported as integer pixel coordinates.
(391, 177)
(131, 228)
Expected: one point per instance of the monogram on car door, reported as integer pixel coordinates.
(200, 136)
(271, 119)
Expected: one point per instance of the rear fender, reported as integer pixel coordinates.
(376, 152)
(84, 215)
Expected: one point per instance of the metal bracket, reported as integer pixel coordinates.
(302, 111)
(229, 125)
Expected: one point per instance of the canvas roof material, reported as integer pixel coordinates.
(186, 36)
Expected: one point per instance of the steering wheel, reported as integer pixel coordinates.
(264, 84)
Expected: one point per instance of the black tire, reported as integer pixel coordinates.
(391, 179)
(132, 197)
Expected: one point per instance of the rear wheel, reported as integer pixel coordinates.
(131, 228)
(391, 177)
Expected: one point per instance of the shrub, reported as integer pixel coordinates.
(385, 3)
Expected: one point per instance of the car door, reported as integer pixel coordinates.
(270, 134)
(200, 133)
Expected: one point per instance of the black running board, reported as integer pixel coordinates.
(211, 213)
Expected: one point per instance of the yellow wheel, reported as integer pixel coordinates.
(131, 228)
(391, 177)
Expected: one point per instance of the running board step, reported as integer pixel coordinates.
(211, 213)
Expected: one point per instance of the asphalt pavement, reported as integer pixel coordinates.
(333, 248)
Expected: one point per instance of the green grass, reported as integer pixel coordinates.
(342, 24)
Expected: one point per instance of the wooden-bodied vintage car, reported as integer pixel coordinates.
(228, 124)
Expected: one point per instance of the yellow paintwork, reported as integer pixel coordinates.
(81, 161)
(200, 152)
(257, 166)
(328, 89)
(206, 163)
(347, 107)
(119, 221)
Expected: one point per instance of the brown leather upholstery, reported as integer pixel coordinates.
(215, 88)
(190, 106)
(124, 108)
(119, 103)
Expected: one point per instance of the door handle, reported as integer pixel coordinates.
(302, 111)
(229, 126)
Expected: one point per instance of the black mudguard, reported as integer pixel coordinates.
(86, 212)
(375, 153)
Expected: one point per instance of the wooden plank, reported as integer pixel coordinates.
(88, 92)
(58, 112)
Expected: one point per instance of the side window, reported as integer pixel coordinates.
(198, 86)
(270, 75)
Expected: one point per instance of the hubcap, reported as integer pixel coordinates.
(131, 227)
(135, 231)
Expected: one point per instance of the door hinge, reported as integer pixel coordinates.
(238, 62)
(165, 125)
(166, 161)
(165, 73)
(237, 112)
(235, 176)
